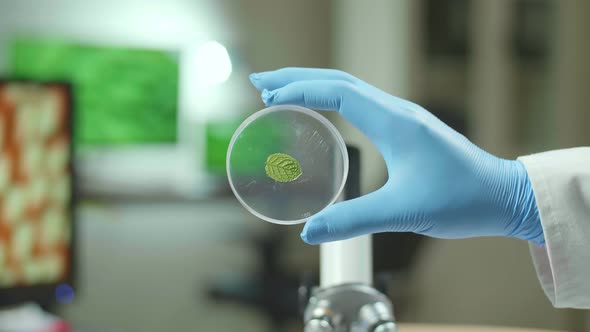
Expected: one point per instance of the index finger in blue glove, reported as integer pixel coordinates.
(353, 103)
(275, 79)
(272, 80)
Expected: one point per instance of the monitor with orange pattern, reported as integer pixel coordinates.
(35, 184)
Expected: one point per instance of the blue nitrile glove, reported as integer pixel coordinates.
(440, 184)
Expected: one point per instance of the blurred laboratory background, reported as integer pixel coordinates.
(116, 211)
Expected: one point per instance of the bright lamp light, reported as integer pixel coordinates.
(212, 64)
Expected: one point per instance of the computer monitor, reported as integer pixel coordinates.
(126, 100)
(124, 95)
(36, 191)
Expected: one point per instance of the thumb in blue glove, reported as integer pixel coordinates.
(440, 184)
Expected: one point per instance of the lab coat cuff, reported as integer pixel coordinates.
(556, 262)
(540, 254)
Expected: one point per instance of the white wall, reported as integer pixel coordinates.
(377, 51)
(571, 73)
(492, 94)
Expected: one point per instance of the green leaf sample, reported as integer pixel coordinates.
(282, 167)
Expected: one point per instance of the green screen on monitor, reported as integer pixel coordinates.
(121, 95)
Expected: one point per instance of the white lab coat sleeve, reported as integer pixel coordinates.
(561, 183)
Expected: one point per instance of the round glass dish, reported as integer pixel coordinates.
(307, 139)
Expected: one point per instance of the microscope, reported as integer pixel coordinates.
(346, 298)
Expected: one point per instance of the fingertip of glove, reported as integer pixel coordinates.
(304, 236)
(305, 233)
(254, 77)
(256, 80)
(267, 97)
(313, 232)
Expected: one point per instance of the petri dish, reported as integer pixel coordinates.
(301, 134)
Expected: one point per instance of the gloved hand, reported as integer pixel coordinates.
(440, 184)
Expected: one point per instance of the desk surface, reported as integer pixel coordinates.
(454, 328)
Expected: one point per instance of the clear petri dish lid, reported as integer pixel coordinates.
(286, 163)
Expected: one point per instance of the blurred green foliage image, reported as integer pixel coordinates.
(121, 95)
